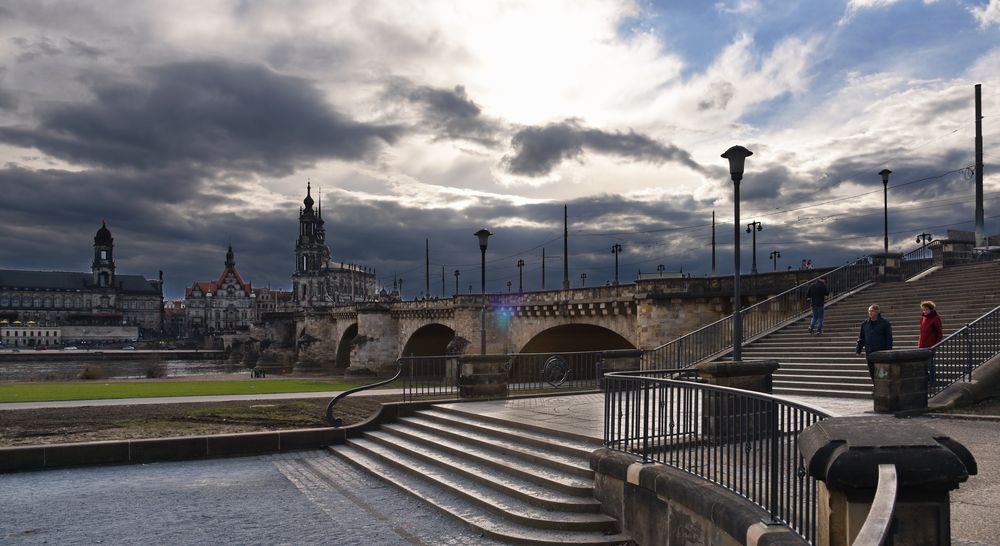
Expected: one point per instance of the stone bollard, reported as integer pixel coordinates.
(749, 375)
(900, 382)
(731, 418)
(844, 453)
(483, 376)
(889, 269)
(619, 360)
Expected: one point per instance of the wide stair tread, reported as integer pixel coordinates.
(497, 515)
(576, 465)
(454, 451)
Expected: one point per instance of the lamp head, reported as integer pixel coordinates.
(484, 236)
(737, 156)
(884, 173)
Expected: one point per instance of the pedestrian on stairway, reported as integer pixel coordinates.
(876, 335)
(931, 333)
(817, 297)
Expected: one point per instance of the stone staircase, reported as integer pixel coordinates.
(827, 366)
(514, 482)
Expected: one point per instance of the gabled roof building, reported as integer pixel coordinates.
(226, 304)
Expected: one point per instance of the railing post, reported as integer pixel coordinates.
(773, 469)
(645, 421)
(968, 351)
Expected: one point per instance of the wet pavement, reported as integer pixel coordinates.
(311, 497)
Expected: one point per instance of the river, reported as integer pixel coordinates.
(62, 370)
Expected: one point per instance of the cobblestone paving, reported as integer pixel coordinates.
(296, 498)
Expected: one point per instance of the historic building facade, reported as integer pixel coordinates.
(224, 305)
(101, 297)
(318, 280)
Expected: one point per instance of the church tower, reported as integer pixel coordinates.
(103, 267)
(311, 252)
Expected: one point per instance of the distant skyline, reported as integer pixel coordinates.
(188, 126)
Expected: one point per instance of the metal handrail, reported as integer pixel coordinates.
(744, 441)
(958, 355)
(879, 521)
(917, 260)
(715, 339)
(336, 422)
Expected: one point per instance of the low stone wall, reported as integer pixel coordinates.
(657, 504)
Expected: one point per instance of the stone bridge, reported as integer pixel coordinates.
(369, 337)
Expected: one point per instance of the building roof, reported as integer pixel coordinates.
(67, 280)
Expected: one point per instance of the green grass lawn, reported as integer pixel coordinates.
(92, 390)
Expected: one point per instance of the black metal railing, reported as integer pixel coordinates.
(959, 354)
(916, 261)
(716, 339)
(334, 421)
(744, 441)
(437, 376)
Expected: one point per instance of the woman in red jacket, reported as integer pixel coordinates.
(931, 333)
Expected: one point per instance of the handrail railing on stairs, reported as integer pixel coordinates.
(878, 524)
(716, 339)
(336, 422)
(958, 355)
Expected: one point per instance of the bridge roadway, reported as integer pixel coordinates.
(310, 498)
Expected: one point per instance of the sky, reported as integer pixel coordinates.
(190, 125)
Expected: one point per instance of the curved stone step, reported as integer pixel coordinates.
(499, 517)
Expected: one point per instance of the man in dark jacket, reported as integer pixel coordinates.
(817, 297)
(876, 335)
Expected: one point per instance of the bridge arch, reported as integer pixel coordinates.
(575, 338)
(344, 347)
(429, 340)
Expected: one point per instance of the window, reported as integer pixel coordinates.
(104, 254)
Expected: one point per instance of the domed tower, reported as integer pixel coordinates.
(311, 252)
(103, 267)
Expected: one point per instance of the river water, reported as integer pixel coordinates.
(61, 370)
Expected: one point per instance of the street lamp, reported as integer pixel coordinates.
(508, 286)
(774, 257)
(484, 236)
(923, 239)
(660, 268)
(737, 156)
(615, 249)
(751, 229)
(520, 276)
(583, 279)
(457, 273)
(884, 173)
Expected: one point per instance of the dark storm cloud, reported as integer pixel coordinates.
(538, 150)
(31, 50)
(211, 114)
(450, 113)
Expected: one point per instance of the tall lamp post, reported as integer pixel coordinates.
(774, 258)
(884, 173)
(457, 273)
(520, 276)
(737, 156)
(583, 279)
(615, 249)
(484, 236)
(754, 227)
(660, 268)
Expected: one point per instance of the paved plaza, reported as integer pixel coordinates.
(311, 497)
